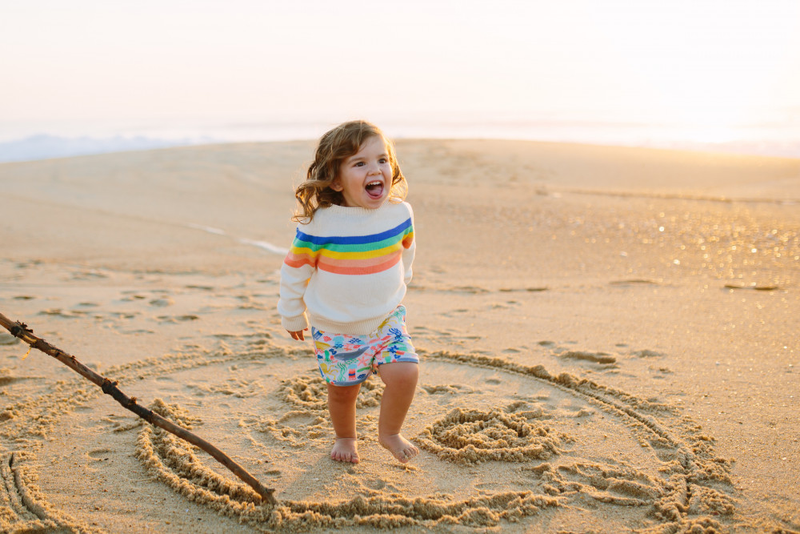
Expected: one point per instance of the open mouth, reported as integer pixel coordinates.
(375, 189)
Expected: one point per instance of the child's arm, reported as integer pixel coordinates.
(298, 335)
(409, 249)
(291, 305)
(296, 271)
(408, 259)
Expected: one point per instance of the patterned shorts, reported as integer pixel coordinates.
(346, 360)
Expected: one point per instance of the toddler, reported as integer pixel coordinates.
(346, 275)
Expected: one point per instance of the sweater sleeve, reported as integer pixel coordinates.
(297, 268)
(409, 249)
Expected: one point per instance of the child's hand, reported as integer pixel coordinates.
(298, 335)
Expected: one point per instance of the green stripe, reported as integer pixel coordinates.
(358, 247)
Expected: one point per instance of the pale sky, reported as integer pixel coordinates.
(700, 62)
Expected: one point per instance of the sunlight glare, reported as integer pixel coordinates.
(706, 66)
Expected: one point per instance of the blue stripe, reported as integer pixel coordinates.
(351, 240)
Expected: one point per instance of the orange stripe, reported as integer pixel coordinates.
(357, 267)
(298, 260)
(367, 262)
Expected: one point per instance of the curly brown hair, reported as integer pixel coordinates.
(334, 147)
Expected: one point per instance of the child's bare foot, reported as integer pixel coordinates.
(400, 447)
(345, 450)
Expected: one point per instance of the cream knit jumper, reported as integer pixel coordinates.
(348, 268)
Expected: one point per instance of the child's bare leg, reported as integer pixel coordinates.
(342, 407)
(401, 383)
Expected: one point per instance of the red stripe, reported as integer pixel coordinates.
(357, 266)
(298, 260)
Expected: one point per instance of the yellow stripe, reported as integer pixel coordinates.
(301, 251)
(386, 251)
(350, 255)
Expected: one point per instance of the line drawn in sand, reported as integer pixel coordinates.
(495, 463)
(22, 505)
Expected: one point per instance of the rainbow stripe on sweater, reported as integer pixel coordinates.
(366, 254)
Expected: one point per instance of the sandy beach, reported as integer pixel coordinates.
(609, 336)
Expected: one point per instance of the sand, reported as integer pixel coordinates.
(609, 342)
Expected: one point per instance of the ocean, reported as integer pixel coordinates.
(41, 140)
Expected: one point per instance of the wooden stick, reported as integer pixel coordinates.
(21, 331)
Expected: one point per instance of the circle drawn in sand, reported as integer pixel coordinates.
(663, 469)
(473, 436)
(173, 462)
(312, 393)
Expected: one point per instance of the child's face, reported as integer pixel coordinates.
(365, 178)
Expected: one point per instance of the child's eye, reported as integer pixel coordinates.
(384, 160)
(359, 164)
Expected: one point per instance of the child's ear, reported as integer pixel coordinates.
(336, 185)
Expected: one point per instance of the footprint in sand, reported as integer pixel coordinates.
(99, 455)
(600, 358)
(7, 378)
(8, 339)
(162, 302)
(453, 389)
(375, 484)
(132, 297)
(175, 319)
(57, 312)
(646, 353)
